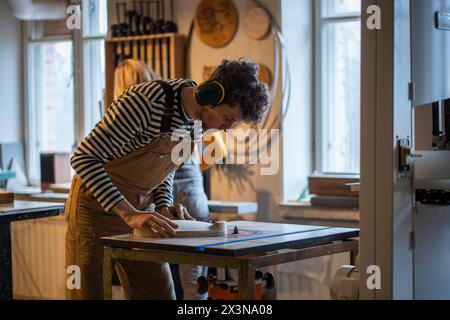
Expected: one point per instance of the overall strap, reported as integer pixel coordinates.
(169, 106)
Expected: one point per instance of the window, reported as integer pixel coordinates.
(51, 103)
(93, 34)
(53, 120)
(338, 43)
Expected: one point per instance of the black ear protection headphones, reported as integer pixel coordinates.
(212, 93)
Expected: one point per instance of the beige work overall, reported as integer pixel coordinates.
(136, 175)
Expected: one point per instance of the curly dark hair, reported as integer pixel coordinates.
(242, 87)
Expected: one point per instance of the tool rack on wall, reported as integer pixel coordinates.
(164, 53)
(144, 32)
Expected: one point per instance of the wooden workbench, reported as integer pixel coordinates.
(18, 211)
(258, 245)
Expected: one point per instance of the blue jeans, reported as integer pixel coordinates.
(189, 191)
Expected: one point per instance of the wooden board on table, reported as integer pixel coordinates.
(253, 237)
(332, 186)
(6, 197)
(232, 207)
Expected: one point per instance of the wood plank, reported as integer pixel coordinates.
(232, 207)
(332, 186)
(6, 197)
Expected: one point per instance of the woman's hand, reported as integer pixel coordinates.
(153, 222)
(177, 212)
(149, 221)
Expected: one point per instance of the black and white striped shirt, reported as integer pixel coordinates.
(131, 123)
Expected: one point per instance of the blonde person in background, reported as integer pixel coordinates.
(188, 188)
(129, 73)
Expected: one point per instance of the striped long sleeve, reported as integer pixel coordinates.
(131, 123)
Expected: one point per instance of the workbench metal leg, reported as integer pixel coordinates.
(6, 287)
(107, 274)
(246, 281)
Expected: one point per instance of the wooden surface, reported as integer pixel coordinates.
(6, 197)
(216, 22)
(253, 237)
(232, 207)
(23, 210)
(332, 186)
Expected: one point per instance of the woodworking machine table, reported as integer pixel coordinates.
(259, 245)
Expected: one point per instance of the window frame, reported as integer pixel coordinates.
(319, 24)
(79, 62)
(30, 112)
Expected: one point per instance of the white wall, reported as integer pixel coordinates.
(11, 105)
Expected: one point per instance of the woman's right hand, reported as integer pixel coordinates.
(153, 222)
(150, 221)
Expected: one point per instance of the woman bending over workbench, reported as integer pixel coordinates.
(125, 165)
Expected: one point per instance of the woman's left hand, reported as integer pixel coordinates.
(177, 212)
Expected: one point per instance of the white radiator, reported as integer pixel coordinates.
(308, 279)
(38, 258)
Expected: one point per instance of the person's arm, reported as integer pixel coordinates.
(121, 123)
(160, 225)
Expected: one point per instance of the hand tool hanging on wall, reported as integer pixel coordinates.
(115, 29)
(123, 30)
(169, 27)
(159, 30)
(131, 16)
(138, 27)
(146, 27)
(154, 29)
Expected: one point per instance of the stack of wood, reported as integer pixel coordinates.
(6, 197)
(333, 191)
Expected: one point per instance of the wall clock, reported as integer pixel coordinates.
(216, 22)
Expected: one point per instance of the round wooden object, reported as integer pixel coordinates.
(257, 23)
(265, 75)
(216, 22)
(192, 229)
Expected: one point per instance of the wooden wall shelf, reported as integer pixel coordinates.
(164, 53)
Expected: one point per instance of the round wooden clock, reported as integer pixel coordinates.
(216, 22)
(257, 23)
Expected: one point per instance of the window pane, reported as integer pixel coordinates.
(341, 97)
(94, 82)
(57, 103)
(340, 7)
(94, 17)
(51, 101)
